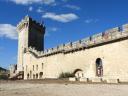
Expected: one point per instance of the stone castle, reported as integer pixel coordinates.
(103, 56)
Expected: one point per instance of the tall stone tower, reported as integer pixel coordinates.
(30, 34)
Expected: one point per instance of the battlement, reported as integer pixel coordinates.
(27, 21)
(101, 38)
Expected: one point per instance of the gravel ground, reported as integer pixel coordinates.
(23, 88)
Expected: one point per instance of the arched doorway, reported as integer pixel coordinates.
(78, 73)
(37, 76)
(33, 76)
(28, 76)
(99, 67)
(41, 75)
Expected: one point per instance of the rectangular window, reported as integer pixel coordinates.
(36, 67)
(42, 65)
(33, 67)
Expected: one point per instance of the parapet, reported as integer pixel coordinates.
(100, 38)
(113, 30)
(125, 28)
(27, 21)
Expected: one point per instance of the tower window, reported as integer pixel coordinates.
(33, 67)
(36, 67)
(42, 65)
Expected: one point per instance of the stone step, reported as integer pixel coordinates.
(112, 80)
(72, 79)
(123, 80)
(83, 80)
(96, 80)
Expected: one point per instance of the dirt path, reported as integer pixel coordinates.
(61, 89)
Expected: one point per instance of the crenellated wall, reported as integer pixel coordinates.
(95, 40)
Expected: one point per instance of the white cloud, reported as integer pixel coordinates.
(64, 18)
(30, 8)
(88, 21)
(91, 21)
(50, 29)
(26, 2)
(39, 10)
(53, 29)
(8, 31)
(72, 7)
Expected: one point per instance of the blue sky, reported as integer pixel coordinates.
(65, 20)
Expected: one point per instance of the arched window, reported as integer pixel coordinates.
(99, 67)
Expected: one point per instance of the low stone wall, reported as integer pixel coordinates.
(100, 80)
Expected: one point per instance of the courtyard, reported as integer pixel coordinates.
(60, 88)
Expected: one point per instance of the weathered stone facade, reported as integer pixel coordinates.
(104, 55)
(30, 33)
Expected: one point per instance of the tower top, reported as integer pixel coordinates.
(27, 21)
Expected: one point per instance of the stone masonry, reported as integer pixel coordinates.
(104, 55)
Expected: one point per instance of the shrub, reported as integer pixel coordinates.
(3, 77)
(66, 75)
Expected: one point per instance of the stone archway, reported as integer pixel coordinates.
(99, 67)
(41, 75)
(78, 73)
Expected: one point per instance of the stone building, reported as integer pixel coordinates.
(101, 56)
(13, 70)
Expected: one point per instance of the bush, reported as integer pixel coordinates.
(3, 77)
(66, 75)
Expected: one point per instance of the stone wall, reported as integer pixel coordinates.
(30, 33)
(104, 37)
(111, 46)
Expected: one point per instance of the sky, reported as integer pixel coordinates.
(65, 21)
